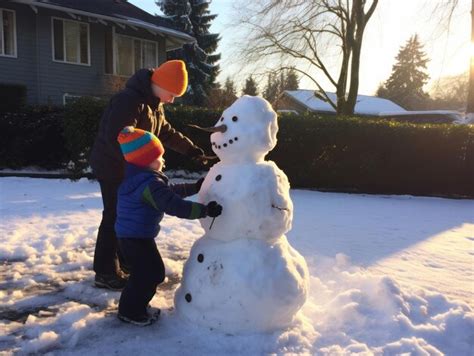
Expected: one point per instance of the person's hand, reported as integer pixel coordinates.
(199, 184)
(213, 209)
(197, 155)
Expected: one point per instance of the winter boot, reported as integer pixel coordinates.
(112, 282)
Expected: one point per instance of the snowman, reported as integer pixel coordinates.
(242, 275)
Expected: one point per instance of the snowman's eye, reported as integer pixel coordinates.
(222, 118)
(234, 118)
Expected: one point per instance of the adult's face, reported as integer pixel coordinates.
(164, 95)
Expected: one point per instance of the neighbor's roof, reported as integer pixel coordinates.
(118, 11)
(365, 105)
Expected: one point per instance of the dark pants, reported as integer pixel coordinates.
(146, 272)
(106, 251)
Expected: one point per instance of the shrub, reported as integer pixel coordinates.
(81, 123)
(33, 137)
(13, 97)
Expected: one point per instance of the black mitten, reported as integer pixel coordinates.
(213, 209)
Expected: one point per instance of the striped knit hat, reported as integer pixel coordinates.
(139, 147)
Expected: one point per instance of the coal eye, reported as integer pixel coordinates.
(234, 118)
(222, 118)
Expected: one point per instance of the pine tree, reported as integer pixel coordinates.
(291, 80)
(193, 17)
(276, 84)
(250, 87)
(229, 88)
(272, 88)
(405, 84)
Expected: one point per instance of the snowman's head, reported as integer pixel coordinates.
(248, 130)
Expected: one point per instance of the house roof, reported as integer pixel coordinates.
(118, 11)
(365, 105)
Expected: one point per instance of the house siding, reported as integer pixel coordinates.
(23, 69)
(47, 81)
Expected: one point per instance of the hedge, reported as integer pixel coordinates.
(13, 97)
(328, 153)
(33, 137)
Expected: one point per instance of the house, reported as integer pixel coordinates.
(305, 100)
(62, 49)
(300, 101)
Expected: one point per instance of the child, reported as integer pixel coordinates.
(143, 198)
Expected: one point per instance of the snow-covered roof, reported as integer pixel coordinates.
(365, 105)
(118, 12)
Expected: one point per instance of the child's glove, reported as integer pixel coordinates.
(198, 184)
(213, 209)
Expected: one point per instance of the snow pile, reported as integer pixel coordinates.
(358, 311)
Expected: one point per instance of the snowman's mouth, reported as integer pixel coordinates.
(225, 144)
(221, 128)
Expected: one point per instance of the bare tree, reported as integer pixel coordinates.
(313, 32)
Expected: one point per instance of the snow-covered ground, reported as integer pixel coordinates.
(389, 275)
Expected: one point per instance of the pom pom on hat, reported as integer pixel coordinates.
(139, 147)
(171, 76)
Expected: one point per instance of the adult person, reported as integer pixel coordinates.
(139, 105)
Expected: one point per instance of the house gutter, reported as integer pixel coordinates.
(138, 23)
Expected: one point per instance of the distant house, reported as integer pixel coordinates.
(305, 100)
(61, 49)
(299, 101)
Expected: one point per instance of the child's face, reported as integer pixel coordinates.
(158, 164)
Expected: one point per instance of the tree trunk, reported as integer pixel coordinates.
(470, 96)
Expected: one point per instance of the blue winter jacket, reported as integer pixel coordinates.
(143, 198)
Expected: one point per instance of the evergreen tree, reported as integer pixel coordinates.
(405, 84)
(276, 84)
(193, 17)
(272, 88)
(229, 88)
(250, 87)
(291, 80)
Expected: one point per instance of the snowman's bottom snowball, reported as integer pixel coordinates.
(243, 285)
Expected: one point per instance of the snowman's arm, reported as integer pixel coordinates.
(161, 197)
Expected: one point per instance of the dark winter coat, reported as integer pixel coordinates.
(143, 198)
(136, 106)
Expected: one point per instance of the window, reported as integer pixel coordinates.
(7, 33)
(132, 54)
(71, 41)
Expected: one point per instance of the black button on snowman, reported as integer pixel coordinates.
(242, 274)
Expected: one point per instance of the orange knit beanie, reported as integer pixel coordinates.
(139, 147)
(171, 76)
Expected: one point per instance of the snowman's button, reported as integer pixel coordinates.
(236, 138)
(200, 258)
(231, 141)
(218, 177)
(225, 144)
(188, 297)
(219, 147)
(234, 118)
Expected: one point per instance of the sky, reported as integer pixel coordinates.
(391, 25)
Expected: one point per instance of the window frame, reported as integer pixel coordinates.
(115, 52)
(15, 46)
(65, 61)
